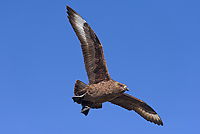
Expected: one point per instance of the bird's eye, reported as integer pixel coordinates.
(121, 85)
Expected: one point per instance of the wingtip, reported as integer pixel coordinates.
(69, 11)
(67, 7)
(161, 123)
(158, 122)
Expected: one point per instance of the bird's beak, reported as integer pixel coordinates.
(127, 89)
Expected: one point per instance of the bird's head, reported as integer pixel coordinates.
(123, 86)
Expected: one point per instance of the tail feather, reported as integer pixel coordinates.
(78, 88)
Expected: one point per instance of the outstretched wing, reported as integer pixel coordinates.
(92, 49)
(131, 103)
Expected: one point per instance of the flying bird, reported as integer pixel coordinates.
(101, 88)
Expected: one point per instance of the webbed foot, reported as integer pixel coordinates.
(85, 110)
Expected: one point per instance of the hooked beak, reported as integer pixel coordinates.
(126, 88)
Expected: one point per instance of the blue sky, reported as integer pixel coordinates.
(152, 46)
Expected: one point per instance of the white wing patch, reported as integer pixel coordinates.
(80, 24)
(150, 117)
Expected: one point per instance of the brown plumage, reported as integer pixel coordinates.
(101, 87)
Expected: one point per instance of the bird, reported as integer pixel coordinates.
(101, 88)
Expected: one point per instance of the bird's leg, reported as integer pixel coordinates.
(78, 99)
(85, 110)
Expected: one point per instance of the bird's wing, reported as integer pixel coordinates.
(92, 49)
(131, 103)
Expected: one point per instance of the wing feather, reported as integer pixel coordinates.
(92, 49)
(131, 103)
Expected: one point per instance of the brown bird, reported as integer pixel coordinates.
(101, 87)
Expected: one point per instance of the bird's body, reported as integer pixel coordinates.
(102, 91)
(101, 88)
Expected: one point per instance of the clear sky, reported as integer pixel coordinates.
(153, 46)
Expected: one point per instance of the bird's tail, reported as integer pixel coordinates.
(79, 88)
(79, 92)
